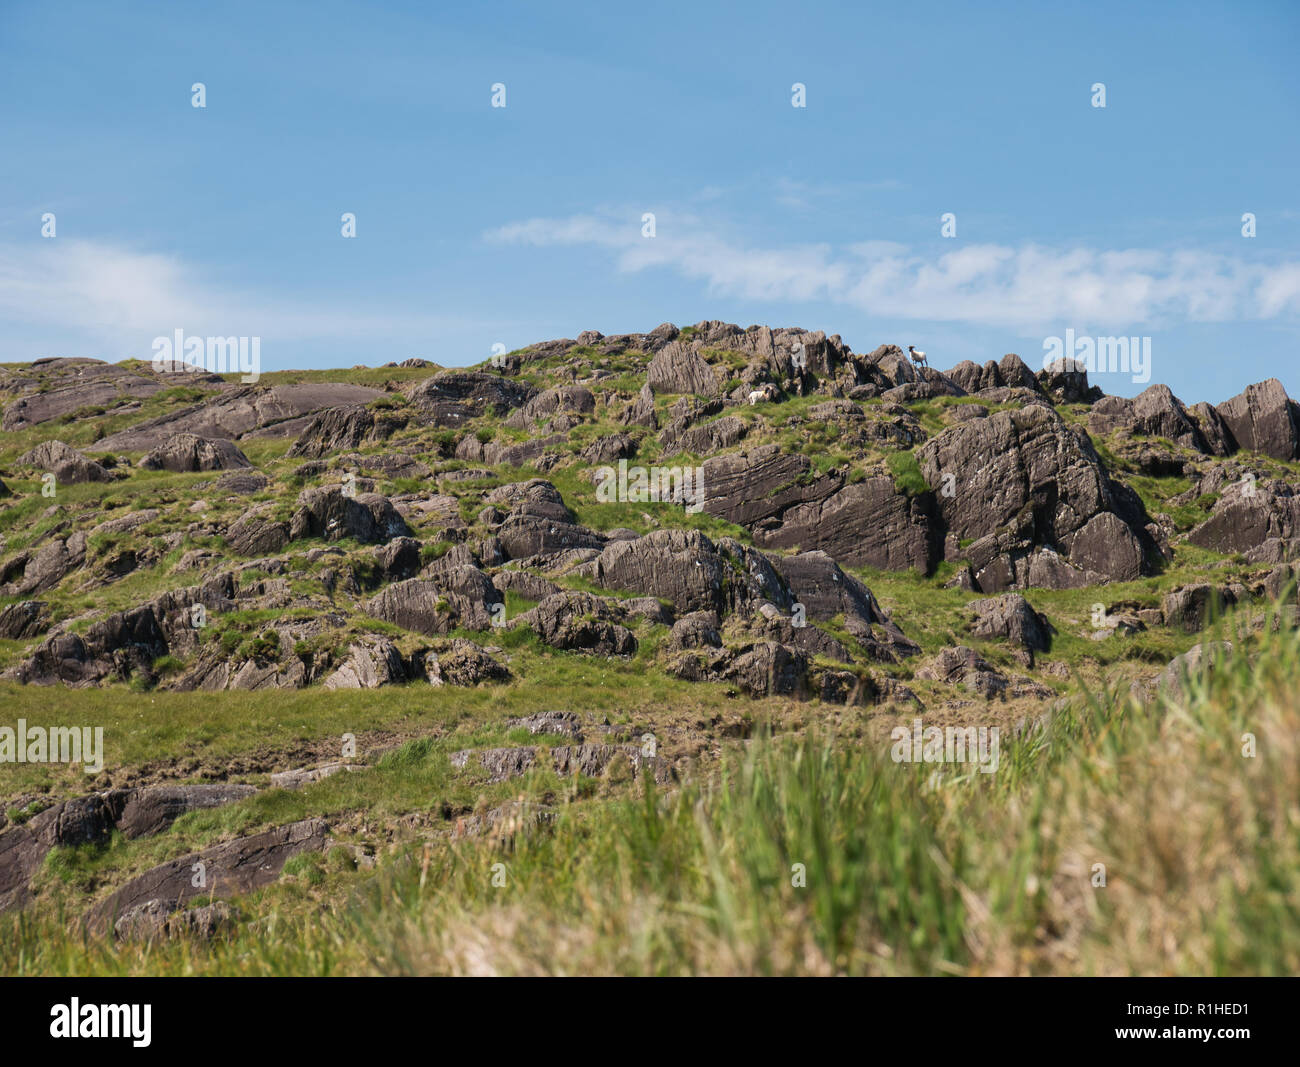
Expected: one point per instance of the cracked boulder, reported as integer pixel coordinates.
(1023, 479)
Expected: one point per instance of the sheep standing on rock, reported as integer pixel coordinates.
(918, 357)
(763, 392)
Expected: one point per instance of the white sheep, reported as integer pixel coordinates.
(766, 392)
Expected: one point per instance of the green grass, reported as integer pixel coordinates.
(903, 871)
(907, 473)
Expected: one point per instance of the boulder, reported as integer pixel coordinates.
(331, 513)
(188, 452)
(1023, 478)
(580, 622)
(371, 662)
(1011, 618)
(68, 466)
(1195, 662)
(964, 666)
(462, 663)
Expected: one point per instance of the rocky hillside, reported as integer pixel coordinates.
(413, 506)
(761, 513)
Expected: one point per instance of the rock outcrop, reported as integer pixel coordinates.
(1263, 419)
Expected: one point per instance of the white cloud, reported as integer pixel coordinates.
(114, 297)
(1023, 287)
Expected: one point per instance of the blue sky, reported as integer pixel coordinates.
(478, 225)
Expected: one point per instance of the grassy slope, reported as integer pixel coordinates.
(906, 873)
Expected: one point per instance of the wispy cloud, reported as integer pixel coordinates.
(1024, 286)
(113, 296)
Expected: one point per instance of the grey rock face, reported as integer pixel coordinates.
(500, 763)
(238, 866)
(462, 597)
(334, 430)
(704, 439)
(280, 411)
(91, 819)
(609, 449)
(154, 808)
(36, 570)
(1196, 661)
(1023, 478)
(1263, 419)
(1155, 412)
(641, 412)
(573, 399)
(256, 533)
(371, 662)
(816, 581)
(28, 618)
(474, 391)
(964, 666)
(752, 488)
(158, 919)
(867, 523)
(679, 368)
(1194, 606)
(682, 566)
